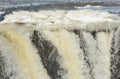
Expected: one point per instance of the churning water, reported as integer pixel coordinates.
(60, 44)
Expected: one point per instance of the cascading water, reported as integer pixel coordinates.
(75, 44)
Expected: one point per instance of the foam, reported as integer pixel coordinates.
(88, 20)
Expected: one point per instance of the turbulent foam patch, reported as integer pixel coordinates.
(74, 19)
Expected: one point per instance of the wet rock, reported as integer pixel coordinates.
(115, 56)
(2, 16)
(2, 67)
(49, 55)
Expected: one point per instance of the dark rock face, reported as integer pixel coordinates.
(2, 67)
(84, 47)
(115, 56)
(2, 16)
(49, 55)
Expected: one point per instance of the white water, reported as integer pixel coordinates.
(69, 50)
(83, 55)
(103, 56)
(26, 56)
(98, 54)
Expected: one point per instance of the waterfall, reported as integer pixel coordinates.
(26, 56)
(76, 44)
(69, 51)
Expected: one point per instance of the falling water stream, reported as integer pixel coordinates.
(75, 44)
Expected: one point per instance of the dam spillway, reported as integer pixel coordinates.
(75, 44)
